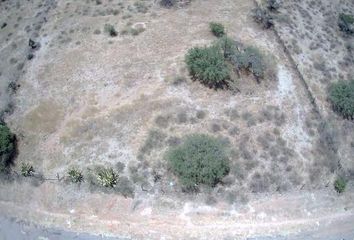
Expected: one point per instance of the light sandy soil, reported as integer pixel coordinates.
(88, 99)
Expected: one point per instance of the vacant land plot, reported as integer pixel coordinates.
(109, 87)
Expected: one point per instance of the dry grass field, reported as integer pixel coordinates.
(87, 99)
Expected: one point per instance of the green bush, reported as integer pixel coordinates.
(217, 29)
(106, 177)
(341, 96)
(7, 147)
(207, 64)
(346, 23)
(27, 170)
(339, 185)
(108, 28)
(75, 175)
(200, 159)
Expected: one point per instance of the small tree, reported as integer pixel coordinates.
(27, 170)
(339, 185)
(7, 147)
(207, 64)
(75, 175)
(107, 177)
(341, 96)
(108, 28)
(201, 159)
(217, 29)
(346, 23)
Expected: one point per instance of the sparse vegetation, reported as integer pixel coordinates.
(27, 170)
(7, 147)
(207, 64)
(108, 28)
(346, 23)
(200, 159)
(217, 29)
(341, 96)
(106, 177)
(340, 185)
(75, 175)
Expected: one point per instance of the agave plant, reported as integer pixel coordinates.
(75, 175)
(27, 170)
(107, 177)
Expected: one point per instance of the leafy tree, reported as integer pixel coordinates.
(207, 64)
(201, 159)
(341, 95)
(217, 29)
(7, 147)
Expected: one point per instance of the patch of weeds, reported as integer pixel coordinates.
(125, 187)
(155, 139)
(346, 23)
(75, 175)
(217, 29)
(162, 121)
(262, 17)
(340, 185)
(168, 3)
(234, 131)
(27, 170)
(108, 28)
(182, 117)
(141, 7)
(201, 114)
(177, 80)
(173, 141)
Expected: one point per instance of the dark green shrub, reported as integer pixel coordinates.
(75, 175)
(339, 185)
(207, 64)
(341, 96)
(108, 28)
(7, 147)
(346, 23)
(262, 17)
(106, 177)
(217, 29)
(200, 159)
(27, 170)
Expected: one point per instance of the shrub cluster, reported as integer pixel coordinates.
(7, 147)
(207, 64)
(346, 23)
(200, 159)
(217, 29)
(250, 59)
(341, 96)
